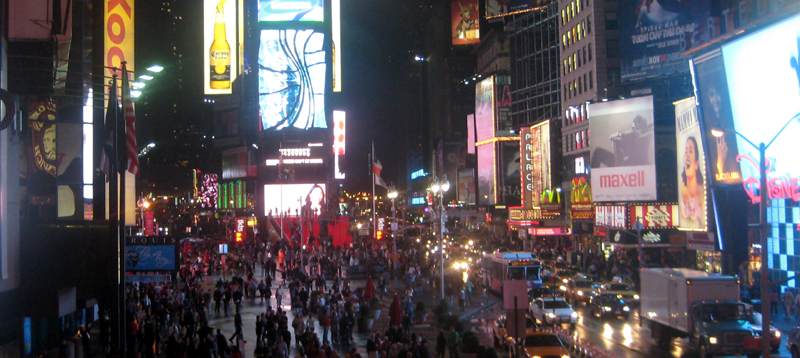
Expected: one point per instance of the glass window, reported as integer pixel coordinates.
(591, 80)
(589, 51)
(588, 26)
(578, 3)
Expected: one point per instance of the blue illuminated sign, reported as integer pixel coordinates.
(418, 201)
(418, 174)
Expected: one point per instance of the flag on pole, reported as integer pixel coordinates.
(377, 167)
(107, 155)
(130, 125)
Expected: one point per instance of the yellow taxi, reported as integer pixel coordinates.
(538, 344)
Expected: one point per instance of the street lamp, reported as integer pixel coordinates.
(438, 189)
(762, 191)
(155, 68)
(392, 195)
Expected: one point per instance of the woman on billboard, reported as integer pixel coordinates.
(691, 186)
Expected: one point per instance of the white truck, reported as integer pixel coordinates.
(677, 302)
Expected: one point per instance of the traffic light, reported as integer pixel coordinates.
(379, 234)
(239, 236)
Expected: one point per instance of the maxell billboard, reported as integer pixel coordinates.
(623, 150)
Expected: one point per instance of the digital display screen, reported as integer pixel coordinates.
(289, 199)
(291, 10)
(291, 79)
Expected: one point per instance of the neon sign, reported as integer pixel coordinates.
(418, 174)
(780, 187)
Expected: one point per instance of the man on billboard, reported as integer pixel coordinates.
(630, 147)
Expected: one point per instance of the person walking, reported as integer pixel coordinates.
(441, 344)
(788, 301)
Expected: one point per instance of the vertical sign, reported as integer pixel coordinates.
(464, 23)
(526, 166)
(220, 47)
(691, 167)
(339, 141)
(540, 157)
(336, 35)
(485, 131)
(471, 133)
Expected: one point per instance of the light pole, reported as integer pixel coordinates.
(762, 213)
(392, 195)
(438, 189)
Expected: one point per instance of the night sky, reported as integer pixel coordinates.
(380, 87)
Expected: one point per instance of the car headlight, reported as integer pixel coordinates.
(713, 340)
(537, 356)
(626, 309)
(562, 288)
(575, 315)
(580, 293)
(606, 309)
(636, 297)
(550, 315)
(565, 356)
(777, 334)
(564, 280)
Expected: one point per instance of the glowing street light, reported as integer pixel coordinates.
(155, 68)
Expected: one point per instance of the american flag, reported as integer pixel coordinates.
(107, 156)
(130, 124)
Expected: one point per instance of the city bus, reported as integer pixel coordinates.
(499, 267)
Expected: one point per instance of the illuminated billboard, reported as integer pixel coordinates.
(485, 147)
(691, 167)
(336, 45)
(289, 199)
(291, 79)
(654, 35)
(763, 101)
(623, 150)
(486, 175)
(291, 10)
(220, 48)
(471, 133)
(464, 22)
(484, 109)
(711, 90)
(466, 186)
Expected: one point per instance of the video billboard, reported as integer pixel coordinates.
(711, 89)
(498, 8)
(220, 47)
(623, 150)
(466, 186)
(150, 258)
(654, 35)
(486, 174)
(464, 22)
(289, 199)
(471, 133)
(291, 10)
(763, 101)
(291, 79)
(692, 182)
(484, 109)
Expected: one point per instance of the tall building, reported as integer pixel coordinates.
(589, 67)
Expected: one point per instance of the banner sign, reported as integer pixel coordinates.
(623, 150)
(150, 258)
(522, 214)
(549, 231)
(691, 178)
(500, 8)
(663, 216)
(581, 206)
(610, 216)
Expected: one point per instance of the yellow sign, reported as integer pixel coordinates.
(118, 32)
(220, 46)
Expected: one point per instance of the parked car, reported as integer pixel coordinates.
(553, 311)
(609, 305)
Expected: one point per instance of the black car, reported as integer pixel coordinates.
(609, 305)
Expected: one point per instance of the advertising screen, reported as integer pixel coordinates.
(150, 258)
(510, 173)
(291, 79)
(486, 174)
(712, 91)
(220, 48)
(290, 198)
(653, 35)
(291, 10)
(622, 150)
(763, 101)
(465, 25)
(466, 186)
(691, 167)
(497, 8)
